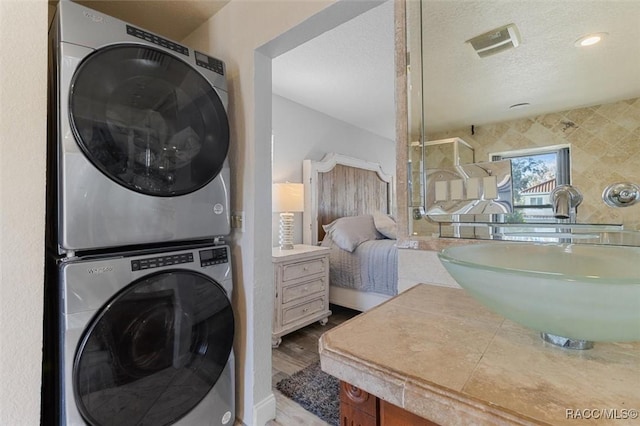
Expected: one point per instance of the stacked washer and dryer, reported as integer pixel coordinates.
(139, 322)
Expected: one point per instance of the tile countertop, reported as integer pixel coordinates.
(438, 353)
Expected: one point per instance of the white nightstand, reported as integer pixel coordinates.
(301, 278)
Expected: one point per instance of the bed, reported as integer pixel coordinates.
(348, 206)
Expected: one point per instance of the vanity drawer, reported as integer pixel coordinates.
(303, 310)
(303, 269)
(296, 291)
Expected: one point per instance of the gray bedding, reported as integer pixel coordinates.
(372, 267)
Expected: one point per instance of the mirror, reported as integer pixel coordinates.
(536, 88)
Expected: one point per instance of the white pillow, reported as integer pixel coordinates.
(349, 232)
(386, 225)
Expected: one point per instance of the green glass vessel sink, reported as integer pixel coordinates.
(577, 291)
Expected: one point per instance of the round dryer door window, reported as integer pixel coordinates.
(148, 120)
(154, 351)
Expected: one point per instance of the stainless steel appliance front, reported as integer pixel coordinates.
(147, 339)
(141, 137)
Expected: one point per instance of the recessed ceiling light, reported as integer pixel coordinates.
(590, 39)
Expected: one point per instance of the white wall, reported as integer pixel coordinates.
(23, 96)
(303, 133)
(246, 35)
(275, 27)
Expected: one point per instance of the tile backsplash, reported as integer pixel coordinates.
(605, 148)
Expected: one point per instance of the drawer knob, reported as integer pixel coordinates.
(355, 394)
(305, 309)
(306, 268)
(305, 289)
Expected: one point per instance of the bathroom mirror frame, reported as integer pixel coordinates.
(415, 130)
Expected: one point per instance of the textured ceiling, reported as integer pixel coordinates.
(547, 70)
(347, 73)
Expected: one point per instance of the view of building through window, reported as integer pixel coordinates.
(534, 177)
(535, 174)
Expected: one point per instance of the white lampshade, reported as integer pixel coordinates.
(287, 197)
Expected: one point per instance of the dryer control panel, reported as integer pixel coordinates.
(212, 64)
(214, 256)
(157, 262)
(160, 41)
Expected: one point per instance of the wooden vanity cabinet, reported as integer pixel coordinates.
(357, 407)
(360, 408)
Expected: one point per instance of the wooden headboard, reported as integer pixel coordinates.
(339, 186)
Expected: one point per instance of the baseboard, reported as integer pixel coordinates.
(264, 410)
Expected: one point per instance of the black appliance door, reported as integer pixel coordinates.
(148, 120)
(152, 353)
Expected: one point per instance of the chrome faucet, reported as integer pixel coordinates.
(565, 200)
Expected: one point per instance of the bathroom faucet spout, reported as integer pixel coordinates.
(561, 209)
(565, 200)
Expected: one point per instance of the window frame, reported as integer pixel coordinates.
(563, 165)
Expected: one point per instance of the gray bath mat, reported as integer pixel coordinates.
(315, 390)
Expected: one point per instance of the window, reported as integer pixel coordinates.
(535, 173)
(536, 201)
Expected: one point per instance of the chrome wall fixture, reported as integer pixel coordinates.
(477, 190)
(565, 200)
(621, 194)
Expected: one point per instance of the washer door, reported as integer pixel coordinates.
(148, 120)
(153, 352)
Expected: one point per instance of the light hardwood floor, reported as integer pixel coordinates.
(296, 351)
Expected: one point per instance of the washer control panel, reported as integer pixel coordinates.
(159, 261)
(214, 256)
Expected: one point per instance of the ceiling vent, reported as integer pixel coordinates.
(495, 41)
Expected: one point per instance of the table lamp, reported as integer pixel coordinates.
(287, 198)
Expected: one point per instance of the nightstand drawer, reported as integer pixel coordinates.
(297, 291)
(301, 289)
(303, 269)
(303, 310)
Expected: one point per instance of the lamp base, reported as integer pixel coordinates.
(286, 231)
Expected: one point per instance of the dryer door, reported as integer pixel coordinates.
(153, 352)
(148, 120)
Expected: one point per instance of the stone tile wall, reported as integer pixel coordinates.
(605, 148)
